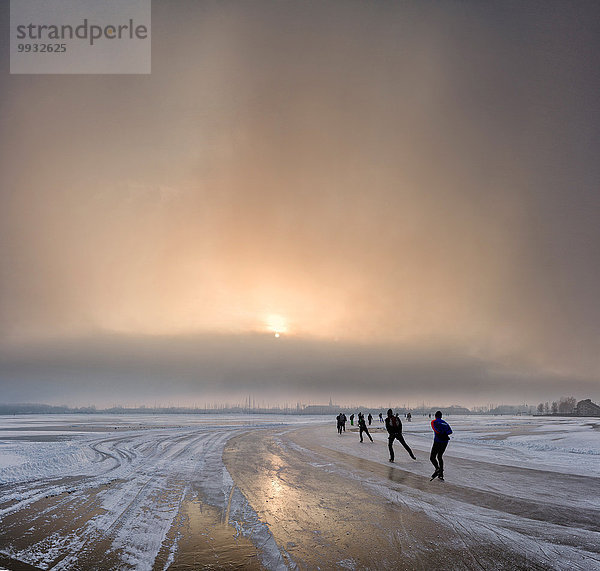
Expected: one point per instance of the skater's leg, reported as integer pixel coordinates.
(433, 458)
(391, 447)
(440, 453)
(369, 435)
(406, 446)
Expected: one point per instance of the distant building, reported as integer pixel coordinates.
(587, 408)
(319, 409)
(453, 409)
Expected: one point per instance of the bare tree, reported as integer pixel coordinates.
(540, 408)
(546, 408)
(566, 405)
(554, 407)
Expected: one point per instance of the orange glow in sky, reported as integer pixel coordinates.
(276, 324)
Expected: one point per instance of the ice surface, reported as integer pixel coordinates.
(131, 472)
(124, 478)
(566, 445)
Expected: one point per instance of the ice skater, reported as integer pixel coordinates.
(380, 417)
(441, 436)
(340, 424)
(394, 428)
(370, 418)
(362, 425)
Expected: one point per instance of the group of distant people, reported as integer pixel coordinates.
(393, 424)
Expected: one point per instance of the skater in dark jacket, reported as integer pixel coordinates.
(441, 436)
(340, 422)
(362, 425)
(394, 428)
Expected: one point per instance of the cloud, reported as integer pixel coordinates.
(407, 176)
(125, 369)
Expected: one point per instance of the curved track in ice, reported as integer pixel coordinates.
(337, 503)
(112, 501)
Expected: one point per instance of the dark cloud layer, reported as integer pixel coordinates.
(411, 188)
(111, 370)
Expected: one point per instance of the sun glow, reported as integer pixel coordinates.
(276, 324)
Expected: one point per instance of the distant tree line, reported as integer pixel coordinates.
(565, 405)
(35, 408)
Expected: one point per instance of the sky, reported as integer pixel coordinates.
(406, 193)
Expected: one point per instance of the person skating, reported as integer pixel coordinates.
(363, 427)
(339, 423)
(370, 418)
(441, 436)
(352, 419)
(394, 427)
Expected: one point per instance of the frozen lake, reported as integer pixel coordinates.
(286, 492)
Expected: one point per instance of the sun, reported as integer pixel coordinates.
(276, 324)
